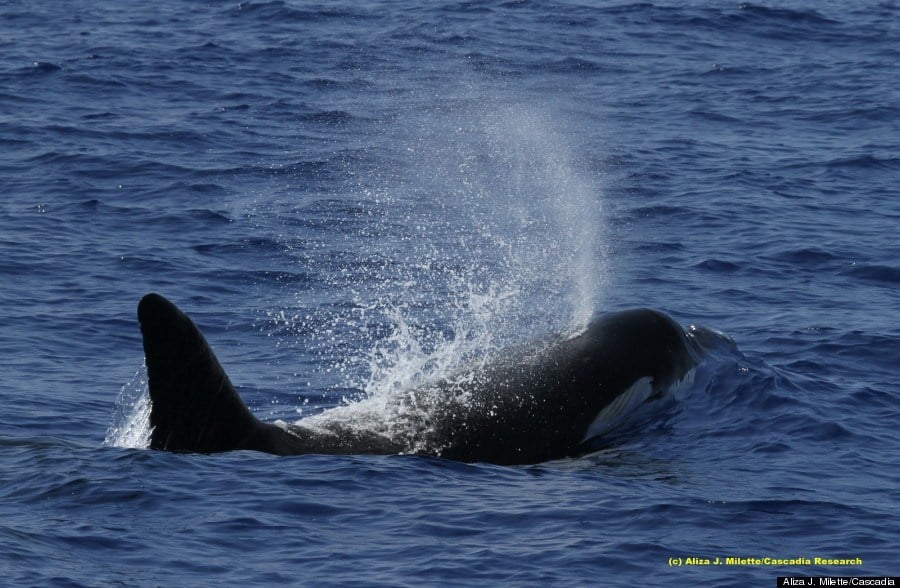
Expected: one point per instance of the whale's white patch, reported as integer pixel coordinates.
(621, 410)
(616, 412)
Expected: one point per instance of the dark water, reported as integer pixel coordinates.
(353, 197)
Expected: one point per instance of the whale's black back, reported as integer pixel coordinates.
(537, 405)
(527, 406)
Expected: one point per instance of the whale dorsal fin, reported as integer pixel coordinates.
(194, 407)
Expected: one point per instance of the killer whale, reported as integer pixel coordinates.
(528, 405)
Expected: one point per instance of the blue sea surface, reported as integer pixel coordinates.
(352, 198)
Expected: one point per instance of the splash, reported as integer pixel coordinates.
(488, 236)
(131, 424)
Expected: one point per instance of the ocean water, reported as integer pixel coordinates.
(353, 198)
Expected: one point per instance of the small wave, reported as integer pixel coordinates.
(866, 162)
(231, 247)
(333, 83)
(868, 114)
(785, 14)
(661, 247)
(39, 68)
(95, 82)
(883, 274)
(659, 210)
(804, 256)
(719, 266)
(570, 65)
(280, 12)
(143, 264)
(729, 70)
(468, 7)
(706, 114)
